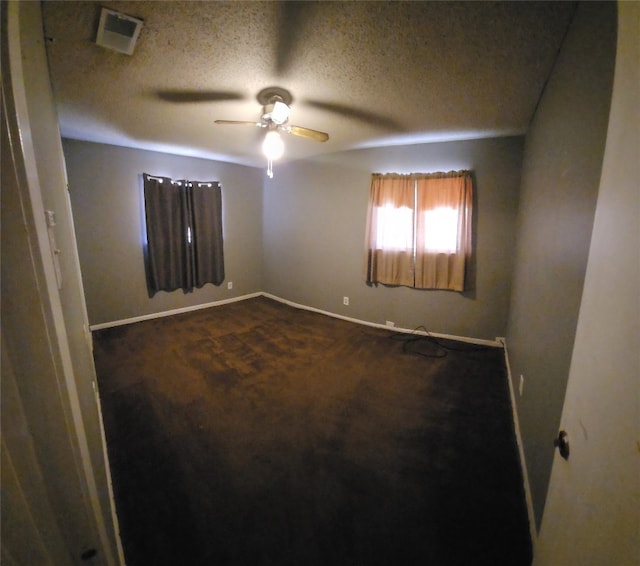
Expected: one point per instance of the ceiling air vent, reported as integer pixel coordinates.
(118, 31)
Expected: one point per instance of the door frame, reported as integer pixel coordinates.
(24, 161)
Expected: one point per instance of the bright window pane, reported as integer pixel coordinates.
(394, 228)
(441, 230)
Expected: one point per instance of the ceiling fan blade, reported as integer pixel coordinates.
(177, 95)
(362, 115)
(240, 123)
(294, 19)
(306, 133)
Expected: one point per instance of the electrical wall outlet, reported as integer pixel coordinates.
(521, 385)
(230, 285)
(345, 301)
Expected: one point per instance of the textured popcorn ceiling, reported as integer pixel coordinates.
(368, 73)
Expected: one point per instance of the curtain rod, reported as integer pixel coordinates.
(187, 183)
(459, 173)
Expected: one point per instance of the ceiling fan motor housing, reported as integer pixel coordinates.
(276, 111)
(276, 103)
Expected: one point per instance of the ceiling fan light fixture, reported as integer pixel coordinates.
(276, 112)
(280, 112)
(273, 146)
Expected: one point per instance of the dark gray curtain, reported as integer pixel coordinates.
(184, 234)
(206, 233)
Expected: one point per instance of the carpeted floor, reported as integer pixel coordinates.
(259, 434)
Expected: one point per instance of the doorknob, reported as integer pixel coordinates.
(562, 443)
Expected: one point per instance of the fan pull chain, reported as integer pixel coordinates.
(270, 168)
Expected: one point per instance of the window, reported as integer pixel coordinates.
(419, 229)
(441, 230)
(184, 234)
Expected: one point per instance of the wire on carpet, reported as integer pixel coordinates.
(414, 342)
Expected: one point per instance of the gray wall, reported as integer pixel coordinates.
(108, 208)
(314, 225)
(305, 242)
(561, 173)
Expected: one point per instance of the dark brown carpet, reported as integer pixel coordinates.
(255, 433)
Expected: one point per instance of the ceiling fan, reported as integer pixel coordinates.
(276, 107)
(276, 103)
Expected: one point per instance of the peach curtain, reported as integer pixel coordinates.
(419, 229)
(390, 235)
(443, 230)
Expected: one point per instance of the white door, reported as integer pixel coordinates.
(592, 512)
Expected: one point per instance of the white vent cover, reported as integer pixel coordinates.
(118, 31)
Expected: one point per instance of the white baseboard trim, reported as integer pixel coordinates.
(478, 341)
(172, 312)
(523, 464)
(498, 342)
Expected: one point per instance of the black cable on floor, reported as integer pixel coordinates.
(410, 342)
